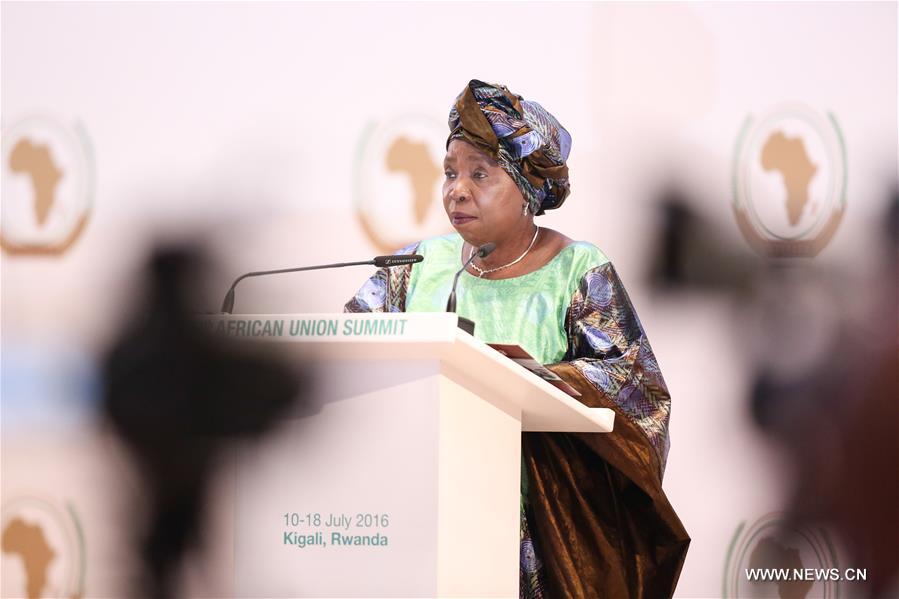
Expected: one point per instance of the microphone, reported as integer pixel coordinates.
(379, 261)
(482, 252)
(397, 260)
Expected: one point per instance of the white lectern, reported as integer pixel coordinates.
(406, 483)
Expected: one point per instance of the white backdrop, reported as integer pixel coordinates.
(266, 129)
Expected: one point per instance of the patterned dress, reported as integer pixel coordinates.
(572, 313)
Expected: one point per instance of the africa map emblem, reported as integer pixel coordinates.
(397, 181)
(789, 181)
(43, 549)
(48, 186)
(773, 542)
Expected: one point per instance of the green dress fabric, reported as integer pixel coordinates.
(529, 310)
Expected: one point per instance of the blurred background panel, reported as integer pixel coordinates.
(290, 134)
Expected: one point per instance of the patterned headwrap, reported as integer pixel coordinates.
(527, 141)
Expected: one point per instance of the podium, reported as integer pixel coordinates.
(406, 483)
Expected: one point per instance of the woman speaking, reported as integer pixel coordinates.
(594, 519)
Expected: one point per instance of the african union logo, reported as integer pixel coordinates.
(773, 558)
(789, 181)
(43, 550)
(48, 186)
(398, 179)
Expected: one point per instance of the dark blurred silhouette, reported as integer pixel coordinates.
(825, 388)
(178, 396)
(691, 256)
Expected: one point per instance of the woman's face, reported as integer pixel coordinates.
(481, 200)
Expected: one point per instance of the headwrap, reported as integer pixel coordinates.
(526, 140)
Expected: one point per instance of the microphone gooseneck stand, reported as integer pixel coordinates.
(464, 323)
(379, 261)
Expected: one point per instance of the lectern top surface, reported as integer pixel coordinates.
(421, 337)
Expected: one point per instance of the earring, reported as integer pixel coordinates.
(524, 210)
